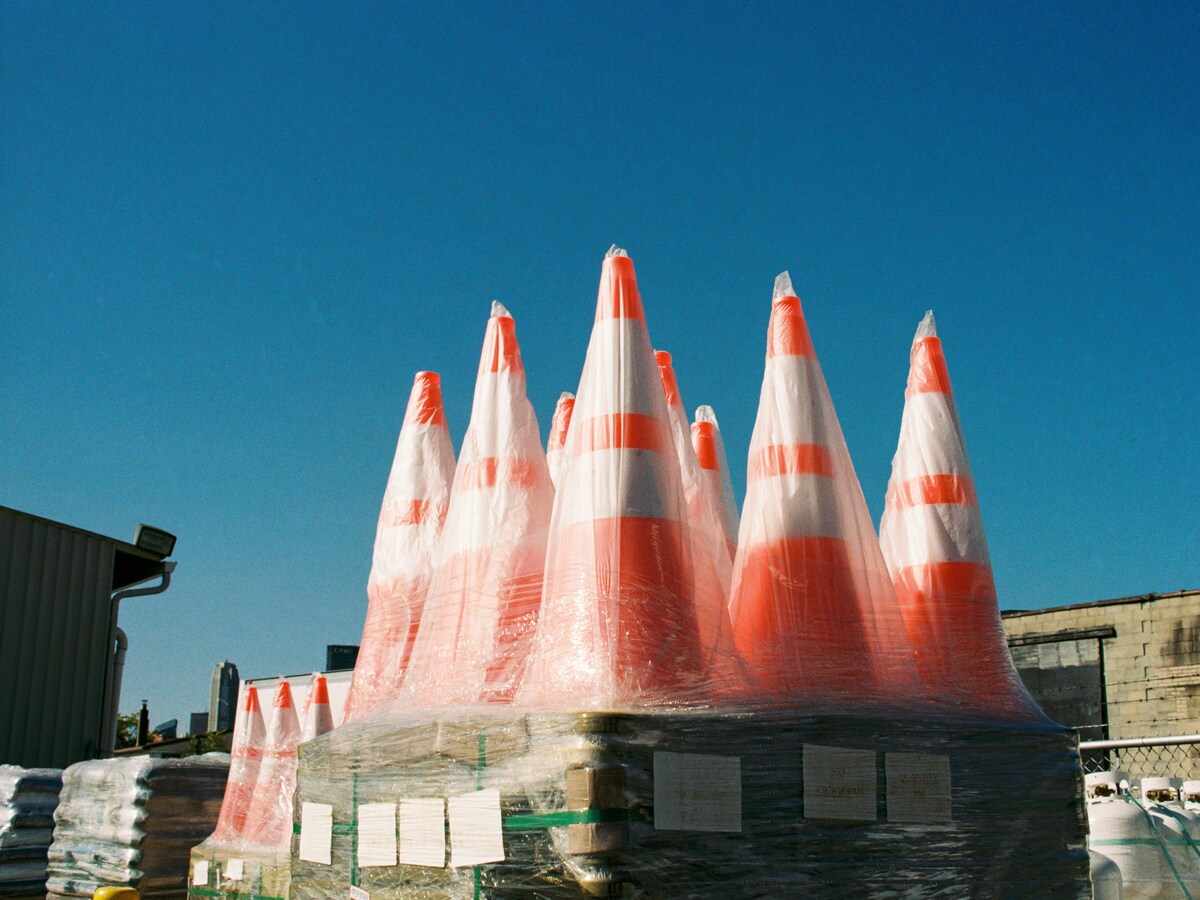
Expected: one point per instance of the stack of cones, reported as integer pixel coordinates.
(714, 472)
(933, 541)
(483, 603)
(269, 818)
(559, 425)
(249, 738)
(812, 605)
(410, 523)
(318, 714)
(618, 622)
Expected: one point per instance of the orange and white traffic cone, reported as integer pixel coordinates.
(813, 608)
(559, 425)
(269, 820)
(483, 601)
(933, 540)
(714, 472)
(410, 524)
(618, 623)
(249, 738)
(318, 714)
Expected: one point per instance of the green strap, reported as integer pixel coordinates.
(1183, 826)
(226, 894)
(1161, 846)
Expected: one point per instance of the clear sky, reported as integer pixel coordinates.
(231, 233)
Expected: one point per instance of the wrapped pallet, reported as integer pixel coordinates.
(132, 822)
(27, 801)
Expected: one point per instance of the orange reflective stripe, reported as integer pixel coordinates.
(501, 352)
(622, 300)
(791, 459)
(787, 335)
(931, 489)
(425, 402)
(486, 472)
(928, 374)
(704, 442)
(621, 431)
(416, 512)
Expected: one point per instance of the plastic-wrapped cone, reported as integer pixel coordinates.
(813, 608)
(269, 820)
(618, 623)
(559, 425)
(249, 738)
(933, 540)
(714, 472)
(318, 714)
(487, 585)
(410, 523)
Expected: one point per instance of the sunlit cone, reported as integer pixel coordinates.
(714, 472)
(812, 604)
(618, 623)
(559, 425)
(249, 738)
(933, 540)
(410, 523)
(269, 821)
(487, 585)
(318, 714)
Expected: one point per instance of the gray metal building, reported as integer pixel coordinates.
(61, 652)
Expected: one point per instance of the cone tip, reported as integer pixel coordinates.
(565, 396)
(614, 250)
(283, 695)
(705, 413)
(662, 357)
(783, 286)
(927, 328)
(499, 309)
(431, 377)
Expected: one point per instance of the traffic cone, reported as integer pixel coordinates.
(410, 523)
(933, 540)
(249, 738)
(618, 625)
(714, 472)
(269, 820)
(812, 607)
(487, 585)
(558, 433)
(318, 714)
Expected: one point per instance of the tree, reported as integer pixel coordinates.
(127, 727)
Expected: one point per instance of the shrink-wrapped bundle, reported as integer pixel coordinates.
(28, 798)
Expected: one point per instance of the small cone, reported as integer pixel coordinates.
(933, 540)
(318, 714)
(714, 472)
(410, 523)
(559, 425)
(813, 608)
(618, 625)
(487, 585)
(269, 820)
(249, 738)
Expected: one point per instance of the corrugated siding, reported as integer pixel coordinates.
(55, 590)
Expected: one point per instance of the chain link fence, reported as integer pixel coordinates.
(1176, 756)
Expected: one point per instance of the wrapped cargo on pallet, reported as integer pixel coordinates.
(28, 798)
(616, 734)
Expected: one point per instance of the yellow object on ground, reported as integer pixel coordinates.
(116, 893)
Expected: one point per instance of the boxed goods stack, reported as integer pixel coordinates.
(131, 822)
(615, 692)
(27, 801)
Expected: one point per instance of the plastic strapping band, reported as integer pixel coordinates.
(230, 895)
(1161, 846)
(1183, 826)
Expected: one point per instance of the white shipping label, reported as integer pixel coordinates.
(423, 832)
(377, 834)
(697, 792)
(357, 893)
(233, 869)
(475, 835)
(316, 832)
(918, 787)
(200, 873)
(839, 784)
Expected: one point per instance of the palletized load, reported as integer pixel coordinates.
(131, 822)
(28, 798)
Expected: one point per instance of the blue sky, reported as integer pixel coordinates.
(232, 232)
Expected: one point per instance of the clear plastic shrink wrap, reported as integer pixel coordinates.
(483, 601)
(131, 822)
(27, 801)
(714, 471)
(559, 424)
(410, 523)
(932, 537)
(641, 755)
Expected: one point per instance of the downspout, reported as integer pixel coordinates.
(112, 680)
